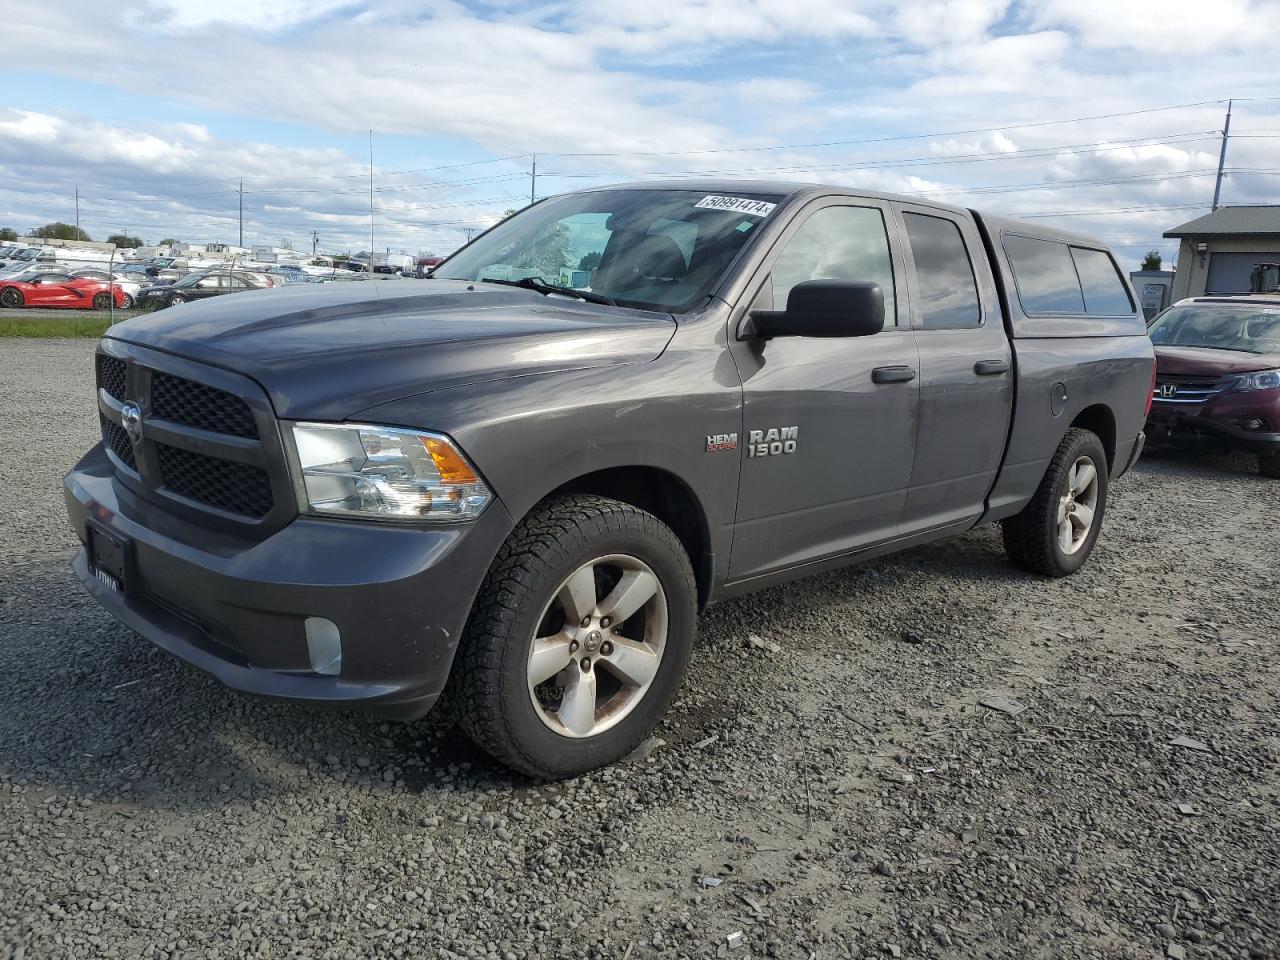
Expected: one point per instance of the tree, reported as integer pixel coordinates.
(167, 242)
(590, 261)
(1152, 260)
(124, 241)
(60, 231)
(8, 234)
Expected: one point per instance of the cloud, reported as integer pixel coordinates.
(639, 26)
(190, 15)
(1183, 27)
(650, 89)
(172, 180)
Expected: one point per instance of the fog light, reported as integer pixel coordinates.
(1253, 424)
(324, 646)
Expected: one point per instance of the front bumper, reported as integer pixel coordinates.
(1166, 426)
(399, 595)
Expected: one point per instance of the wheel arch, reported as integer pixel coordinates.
(667, 497)
(1100, 420)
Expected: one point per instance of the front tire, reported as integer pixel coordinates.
(1269, 465)
(176, 299)
(578, 639)
(1055, 533)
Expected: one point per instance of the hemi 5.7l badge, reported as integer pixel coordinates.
(720, 442)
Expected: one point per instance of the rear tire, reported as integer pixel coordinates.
(1055, 533)
(547, 599)
(1269, 465)
(101, 301)
(11, 297)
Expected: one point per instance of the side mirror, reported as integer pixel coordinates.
(821, 308)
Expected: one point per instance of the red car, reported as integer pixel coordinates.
(55, 289)
(1218, 376)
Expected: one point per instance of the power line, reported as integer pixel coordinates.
(911, 136)
(1100, 213)
(1067, 184)
(1175, 139)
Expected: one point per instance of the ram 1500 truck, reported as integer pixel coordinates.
(514, 485)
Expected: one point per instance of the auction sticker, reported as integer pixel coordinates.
(756, 208)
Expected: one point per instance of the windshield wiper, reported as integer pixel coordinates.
(540, 285)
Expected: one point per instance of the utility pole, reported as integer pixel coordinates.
(241, 192)
(315, 241)
(1222, 156)
(77, 211)
(371, 247)
(533, 181)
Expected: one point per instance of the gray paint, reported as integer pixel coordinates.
(542, 391)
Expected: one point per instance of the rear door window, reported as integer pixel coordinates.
(1045, 276)
(946, 289)
(1104, 291)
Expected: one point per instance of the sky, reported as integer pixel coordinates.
(1095, 115)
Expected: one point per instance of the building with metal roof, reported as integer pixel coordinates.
(1217, 252)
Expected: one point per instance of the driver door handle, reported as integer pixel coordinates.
(892, 375)
(991, 368)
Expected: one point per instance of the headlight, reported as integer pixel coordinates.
(1262, 380)
(358, 470)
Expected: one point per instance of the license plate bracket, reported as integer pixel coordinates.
(110, 558)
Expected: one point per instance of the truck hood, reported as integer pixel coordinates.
(325, 352)
(1208, 362)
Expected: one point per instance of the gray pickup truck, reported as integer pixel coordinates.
(513, 486)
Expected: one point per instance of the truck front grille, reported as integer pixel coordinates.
(197, 405)
(117, 442)
(236, 487)
(111, 375)
(1177, 388)
(208, 444)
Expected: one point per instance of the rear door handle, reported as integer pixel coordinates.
(991, 368)
(892, 375)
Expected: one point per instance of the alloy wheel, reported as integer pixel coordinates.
(1078, 505)
(598, 646)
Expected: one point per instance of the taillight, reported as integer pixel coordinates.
(1151, 393)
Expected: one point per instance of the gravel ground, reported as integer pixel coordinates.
(846, 796)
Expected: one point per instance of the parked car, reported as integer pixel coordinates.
(428, 264)
(525, 491)
(131, 286)
(1218, 376)
(287, 273)
(21, 257)
(58, 289)
(199, 286)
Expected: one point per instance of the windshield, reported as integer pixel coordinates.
(190, 280)
(1251, 328)
(654, 249)
(28, 254)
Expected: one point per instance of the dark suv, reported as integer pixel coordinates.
(1218, 376)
